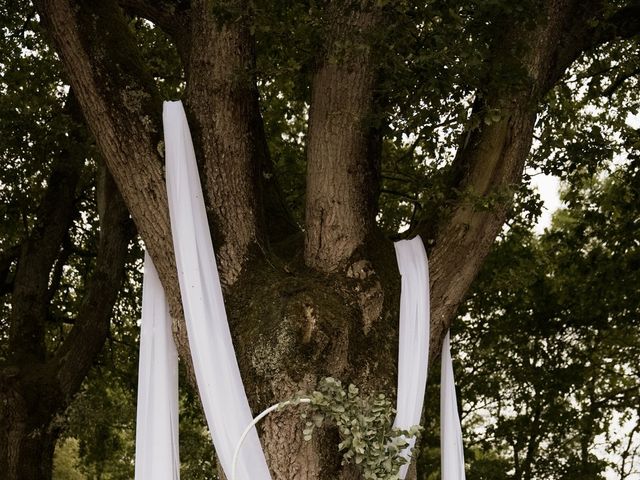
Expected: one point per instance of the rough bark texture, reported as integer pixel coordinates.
(341, 170)
(295, 326)
(222, 100)
(328, 304)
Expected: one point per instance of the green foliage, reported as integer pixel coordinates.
(161, 58)
(365, 424)
(549, 341)
(65, 461)
(197, 458)
(585, 118)
(38, 127)
(102, 420)
(32, 122)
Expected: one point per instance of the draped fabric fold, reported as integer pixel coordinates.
(157, 413)
(413, 348)
(452, 454)
(221, 390)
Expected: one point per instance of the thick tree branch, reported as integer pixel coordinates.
(489, 165)
(222, 100)
(30, 293)
(91, 326)
(341, 171)
(123, 110)
(619, 81)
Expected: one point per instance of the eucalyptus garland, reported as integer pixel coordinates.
(365, 425)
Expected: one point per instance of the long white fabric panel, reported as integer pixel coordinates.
(214, 360)
(452, 454)
(413, 351)
(157, 415)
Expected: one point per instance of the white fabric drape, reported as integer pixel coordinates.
(214, 360)
(157, 413)
(413, 349)
(452, 454)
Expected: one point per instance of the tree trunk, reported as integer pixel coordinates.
(291, 328)
(342, 169)
(28, 453)
(27, 434)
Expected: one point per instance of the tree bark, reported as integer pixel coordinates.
(222, 100)
(342, 173)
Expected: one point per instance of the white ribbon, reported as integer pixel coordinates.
(157, 415)
(221, 390)
(413, 357)
(413, 348)
(451, 451)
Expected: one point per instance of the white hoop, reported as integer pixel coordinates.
(254, 422)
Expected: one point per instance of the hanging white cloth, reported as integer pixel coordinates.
(218, 376)
(413, 348)
(157, 414)
(452, 454)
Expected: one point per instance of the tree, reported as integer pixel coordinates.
(318, 300)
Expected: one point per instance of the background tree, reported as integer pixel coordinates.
(461, 81)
